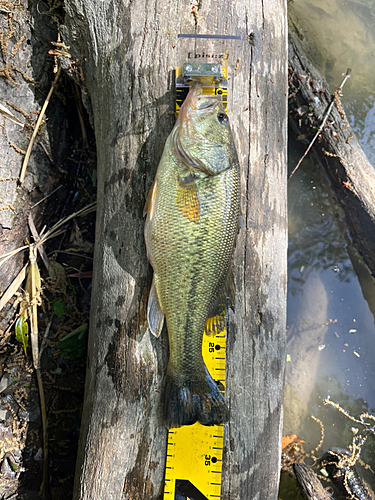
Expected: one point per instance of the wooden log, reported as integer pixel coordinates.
(310, 486)
(128, 51)
(351, 175)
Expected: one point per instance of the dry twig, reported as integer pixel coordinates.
(36, 237)
(13, 287)
(347, 75)
(54, 231)
(39, 121)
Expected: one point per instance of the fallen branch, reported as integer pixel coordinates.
(351, 176)
(327, 113)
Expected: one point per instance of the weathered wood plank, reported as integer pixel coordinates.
(255, 364)
(128, 55)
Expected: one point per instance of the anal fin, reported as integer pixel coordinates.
(155, 317)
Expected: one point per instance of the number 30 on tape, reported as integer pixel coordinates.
(195, 452)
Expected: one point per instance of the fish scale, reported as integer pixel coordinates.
(190, 231)
(198, 296)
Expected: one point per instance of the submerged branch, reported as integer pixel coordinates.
(337, 93)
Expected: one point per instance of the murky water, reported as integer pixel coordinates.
(339, 35)
(331, 296)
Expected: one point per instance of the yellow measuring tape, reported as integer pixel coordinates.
(195, 452)
(209, 86)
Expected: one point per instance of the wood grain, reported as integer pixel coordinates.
(129, 52)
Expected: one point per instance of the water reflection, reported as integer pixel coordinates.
(330, 325)
(361, 116)
(330, 339)
(339, 35)
(338, 429)
(331, 294)
(343, 35)
(316, 231)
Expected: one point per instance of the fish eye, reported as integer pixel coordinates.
(222, 117)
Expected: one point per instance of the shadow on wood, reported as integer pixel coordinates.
(128, 51)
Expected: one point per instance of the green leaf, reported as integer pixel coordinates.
(55, 269)
(94, 177)
(22, 332)
(78, 331)
(58, 307)
(73, 348)
(72, 287)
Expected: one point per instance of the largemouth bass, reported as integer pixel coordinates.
(192, 217)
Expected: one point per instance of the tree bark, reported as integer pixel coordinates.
(128, 54)
(351, 175)
(23, 89)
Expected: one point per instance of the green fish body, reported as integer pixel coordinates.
(192, 218)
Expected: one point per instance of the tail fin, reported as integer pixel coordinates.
(189, 399)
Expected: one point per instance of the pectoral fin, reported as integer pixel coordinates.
(154, 315)
(188, 200)
(150, 202)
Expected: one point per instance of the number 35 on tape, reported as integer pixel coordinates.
(195, 452)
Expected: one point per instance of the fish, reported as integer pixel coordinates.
(192, 220)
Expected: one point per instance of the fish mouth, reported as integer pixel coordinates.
(198, 101)
(205, 102)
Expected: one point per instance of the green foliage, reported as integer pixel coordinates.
(73, 348)
(78, 331)
(22, 332)
(58, 307)
(55, 269)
